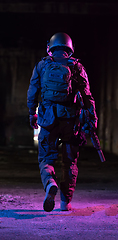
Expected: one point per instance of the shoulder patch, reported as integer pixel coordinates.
(82, 71)
(84, 74)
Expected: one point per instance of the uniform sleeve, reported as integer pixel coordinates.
(84, 88)
(33, 92)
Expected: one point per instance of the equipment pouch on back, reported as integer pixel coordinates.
(56, 81)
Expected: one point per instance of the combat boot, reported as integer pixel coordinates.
(49, 200)
(64, 204)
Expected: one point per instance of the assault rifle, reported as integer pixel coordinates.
(93, 135)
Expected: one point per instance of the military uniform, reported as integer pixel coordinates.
(58, 113)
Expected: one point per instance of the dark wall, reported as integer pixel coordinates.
(90, 34)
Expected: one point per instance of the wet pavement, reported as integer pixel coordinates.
(94, 212)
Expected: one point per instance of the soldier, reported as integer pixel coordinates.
(61, 79)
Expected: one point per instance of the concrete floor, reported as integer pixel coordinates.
(95, 201)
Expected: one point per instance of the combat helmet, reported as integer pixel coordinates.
(59, 40)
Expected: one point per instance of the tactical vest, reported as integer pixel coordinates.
(57, 80)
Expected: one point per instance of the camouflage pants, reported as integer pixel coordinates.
(48, 154)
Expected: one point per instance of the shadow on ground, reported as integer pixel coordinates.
(94, 213)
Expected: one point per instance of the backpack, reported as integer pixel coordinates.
(57, 83)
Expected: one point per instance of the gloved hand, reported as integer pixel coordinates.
(33, 121)
(80, 123)
(83, 121)
(89, 123)
(85, 128)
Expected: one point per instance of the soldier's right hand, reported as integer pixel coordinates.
(33, 121)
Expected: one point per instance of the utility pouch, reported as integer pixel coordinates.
(46, 117)
(66, 111)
